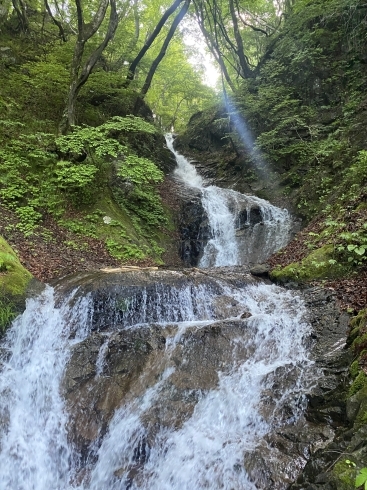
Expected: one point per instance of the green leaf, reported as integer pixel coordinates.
(361, 478)
(360, 250)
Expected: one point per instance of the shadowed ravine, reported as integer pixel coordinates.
(157, 379)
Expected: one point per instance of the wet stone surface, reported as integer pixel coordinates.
(117, 363)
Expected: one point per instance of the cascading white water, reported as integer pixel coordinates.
(206, 452)
(233, 242)
(35, 454)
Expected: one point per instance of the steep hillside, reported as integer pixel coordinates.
(90, 198)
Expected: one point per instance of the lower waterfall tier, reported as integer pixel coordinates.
(205, 388)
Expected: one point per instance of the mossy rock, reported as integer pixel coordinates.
(359, 383)
(361, 418)
(359, 320)
(344, 474)
(354, 369)
(319, 264)
(14, 279)
(360, 343)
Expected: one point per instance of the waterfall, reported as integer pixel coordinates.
(203, 450)
(34, 449)
(234, 238)
(207, 451)
(162, 379)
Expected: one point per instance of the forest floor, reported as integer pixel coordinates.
(53, 251)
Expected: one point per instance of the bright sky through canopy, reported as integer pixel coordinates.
(199, 56)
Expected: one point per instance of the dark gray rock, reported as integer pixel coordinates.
(260, 270)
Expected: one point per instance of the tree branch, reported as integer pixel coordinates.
(91, 28)
(94, 57)
(56, 22)
(163, 50)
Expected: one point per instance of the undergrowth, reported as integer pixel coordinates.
(48, 175)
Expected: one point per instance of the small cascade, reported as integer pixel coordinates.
(243, 229)
(229, 421)
(35, 454)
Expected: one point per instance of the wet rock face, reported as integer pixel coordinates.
(116, 364)
(305, 450)
(327, 402)
(100, 374)
(193, 228)
(108, 370)
(250, 217)
(121, 300)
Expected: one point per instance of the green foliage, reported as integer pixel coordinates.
(359, 382)
(361, 479)
(73, 177)
(344, 473)
(28, 219)
(305, 105)
(37, 182)
(177, 91)
(139, 170)
(7, 313)
(124, 252)
(99, 141)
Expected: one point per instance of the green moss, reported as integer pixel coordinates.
(359, 383)
(344, 475)
(126, 238)
(14, 278)
(354, 369)
(360, 342)
(319, 264)
(353, 335)
(359, 320)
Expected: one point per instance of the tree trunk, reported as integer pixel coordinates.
(150, 40)
(246, 71)
(212, 43)
(57, 23)
(79, 74)
(21, 10)
(163, 50)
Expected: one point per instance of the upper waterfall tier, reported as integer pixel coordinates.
(236, 228)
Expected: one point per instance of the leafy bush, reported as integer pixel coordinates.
(36, 181)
